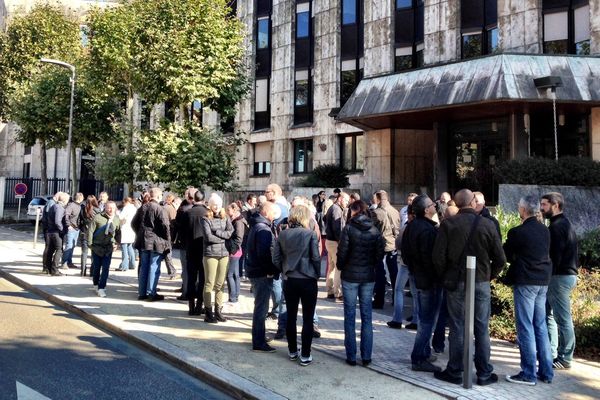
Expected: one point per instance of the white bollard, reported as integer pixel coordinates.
(37, 223)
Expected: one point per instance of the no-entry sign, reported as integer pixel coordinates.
(20, 189)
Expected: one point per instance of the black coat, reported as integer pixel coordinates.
(215, 232)
(527, 249)
(360, 250)
(192, 227)
(417, 250)
(240, 229)
(260, 238)
(151, 226)
(563, 246)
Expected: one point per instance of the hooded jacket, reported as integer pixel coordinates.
(360, 250)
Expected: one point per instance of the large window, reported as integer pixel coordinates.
(409, 34)
(352, 50)
(349, 11)
(262, 29)
(196, 112)
(262, 158)
(146, 111)
(566, 27)
(302, 98)
(303, 156)
(479, 27)
(352, 151)
(303, 50)
(262, 108)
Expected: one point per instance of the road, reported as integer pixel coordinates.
(47, 353)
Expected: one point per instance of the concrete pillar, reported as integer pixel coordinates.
(442, 31)
(595, 134)
(520, 26)
(378, 154)
(2, 193)
(379, 35)
(595, 27)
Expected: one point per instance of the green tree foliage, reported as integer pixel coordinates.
(327, 175)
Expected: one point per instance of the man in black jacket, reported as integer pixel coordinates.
(261, 271)
(181, 235)
(335, 220)
(563, 253)
(527, 250)
(467, 234)
(417, 249)
(194, 239)
(56, 230)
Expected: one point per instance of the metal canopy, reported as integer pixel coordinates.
(470, 88)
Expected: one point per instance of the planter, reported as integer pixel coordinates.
(581, 203)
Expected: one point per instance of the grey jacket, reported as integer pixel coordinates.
(215, 232)
(387, 219)
(296, 253)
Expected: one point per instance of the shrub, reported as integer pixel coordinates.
(507, 221)
(327, 175)
(589, 250)
(573, 171)
(502, 321)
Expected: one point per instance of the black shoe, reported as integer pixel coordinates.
(377, 306)
(264, 349)
(209, 316)
(279, 335)
(493, 378)
(331, 296)
(544, 380)
(394, 324)
(271, 315)
(144, 297)
(56, 273)
(412, 326)
(446, 377)
(351, 362)
(409, 319)
(426, 366)
(182, 297)
(366, 363)
(218, 316)
(71, 265)
(519, 379)
(156, 297)
(316, 331)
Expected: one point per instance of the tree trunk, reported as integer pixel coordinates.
(44, 167)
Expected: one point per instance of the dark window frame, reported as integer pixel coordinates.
(416, 13)
(489, 23)
(560, 6)
(263, 116)
(354, 162)
(308, 162)
(257, 166)
(306, 110)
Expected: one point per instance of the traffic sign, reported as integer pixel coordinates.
(20, 189)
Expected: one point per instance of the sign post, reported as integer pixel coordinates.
(469, 323)
(20, 190)
(38, 212)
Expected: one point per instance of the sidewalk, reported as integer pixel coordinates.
(221, 352)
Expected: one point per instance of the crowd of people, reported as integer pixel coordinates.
(279, 246)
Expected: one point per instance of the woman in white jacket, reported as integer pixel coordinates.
(127, 235)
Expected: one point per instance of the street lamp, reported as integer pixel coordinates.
(72, 68)
(550, 83)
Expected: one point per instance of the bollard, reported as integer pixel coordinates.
(37, 223)
(469, 323)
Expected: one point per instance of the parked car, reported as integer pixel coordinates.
(35, 203)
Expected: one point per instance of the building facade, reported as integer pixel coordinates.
(416, 95)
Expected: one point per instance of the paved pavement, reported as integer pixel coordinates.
(221, 353)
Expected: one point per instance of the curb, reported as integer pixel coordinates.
(220, 378)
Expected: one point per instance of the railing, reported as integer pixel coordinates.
(34, 188)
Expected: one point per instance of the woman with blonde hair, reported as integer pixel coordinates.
(217, 229)
(296, 254)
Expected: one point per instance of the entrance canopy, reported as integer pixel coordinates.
(477, 88)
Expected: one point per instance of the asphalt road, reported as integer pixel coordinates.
(47, 353)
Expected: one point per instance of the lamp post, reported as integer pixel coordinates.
(550, 83)
(69, 137)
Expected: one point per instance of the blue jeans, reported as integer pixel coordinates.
(456, 322)
(261, 287)
(532, 331)
(404, 276)
(70, 241)
(233, 278)
(279, 308)
(149, 272)
(364, 292)
(128, 261)
(100, 263)
(429, 307)
(439, 334)
(559, 319)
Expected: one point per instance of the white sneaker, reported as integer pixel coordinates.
(96, 289)
(101, 292)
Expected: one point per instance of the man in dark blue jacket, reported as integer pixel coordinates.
(527, 249)
(417, 249)
(563, 253)
(56, 230)
(261, 271)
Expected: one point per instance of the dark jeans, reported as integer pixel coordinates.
(391, 260)
(429, 307)
(261, 287)
(100, 267)
(456, 321)
(84, 253)
(233, 278)
(195, 275)
(53, 252)
(296, 291)
(439, 335)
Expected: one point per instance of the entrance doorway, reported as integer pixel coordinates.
(476, 148)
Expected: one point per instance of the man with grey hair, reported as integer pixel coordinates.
(462, 235)
(153, 239)
(527, 249)
(563, 253)
(72, 212)
(55, 233)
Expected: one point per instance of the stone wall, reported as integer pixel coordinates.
(581, 203)
(520, 26)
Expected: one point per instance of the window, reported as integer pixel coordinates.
(27, 150)
(352, 151)
(303, 53)
(566, 27)
(303, 156)
(262, 33)
(349, 12)
(349, 80)
(262, 107)
(27, 171)
(146, 111)
(302, 98)
(196, 112)
(169, 111)
(409, 34)
(302, 24)
(479, 27)
(262, 157)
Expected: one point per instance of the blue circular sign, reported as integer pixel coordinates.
(20, 189)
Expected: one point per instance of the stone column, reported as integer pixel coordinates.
(378, 29)
(595, 134)
(442, 31)
(595, 27)
(378, 161)
(520, 26)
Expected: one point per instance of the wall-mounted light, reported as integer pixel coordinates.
(494, 126)
(561, 119)
(526, 121)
